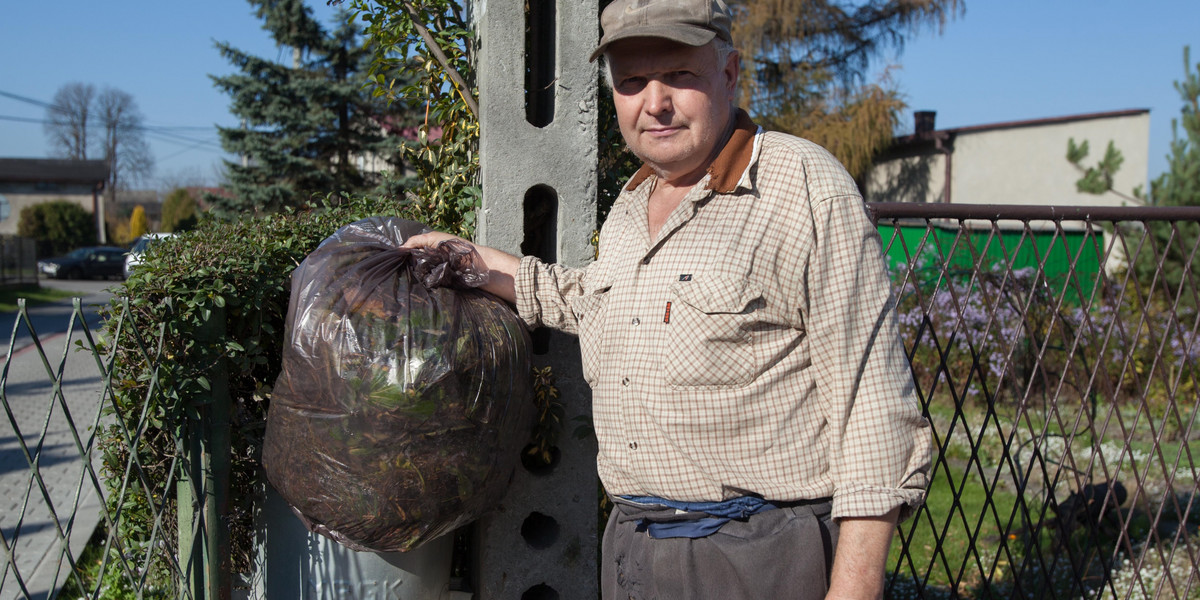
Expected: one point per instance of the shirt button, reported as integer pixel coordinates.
(636, 321)
(625, 381)
(633, 445)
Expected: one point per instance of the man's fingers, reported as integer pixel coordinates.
(427, 240)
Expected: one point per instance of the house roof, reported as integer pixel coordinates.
(917, 138)
(53, 170)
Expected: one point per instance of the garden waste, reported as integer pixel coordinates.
(405, 396)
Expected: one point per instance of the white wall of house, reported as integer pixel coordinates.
(21, 195)
(1020, 163)
(1028, 165)
(919, 178)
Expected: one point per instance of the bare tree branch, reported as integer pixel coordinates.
(67, 120)
(124, 144)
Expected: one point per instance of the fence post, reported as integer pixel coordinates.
(191, 550)
(203, 491)
(542, 542)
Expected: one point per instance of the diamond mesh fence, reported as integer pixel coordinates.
(88, 493)
(18, 260)
(1055, 352)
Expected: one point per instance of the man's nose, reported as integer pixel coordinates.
(658, 97)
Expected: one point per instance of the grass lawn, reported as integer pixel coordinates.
(954, 525)
(33, 295)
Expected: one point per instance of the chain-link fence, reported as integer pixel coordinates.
(1055, 351)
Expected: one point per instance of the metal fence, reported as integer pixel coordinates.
(1055, 352)
(1054, 349)
(18, 260)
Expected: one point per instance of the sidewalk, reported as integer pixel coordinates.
(32, 519)
(48, 320)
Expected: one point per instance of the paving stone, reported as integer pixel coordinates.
(38, 417)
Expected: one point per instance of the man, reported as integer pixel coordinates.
(751, 399)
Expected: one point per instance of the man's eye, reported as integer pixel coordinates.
(631, 85)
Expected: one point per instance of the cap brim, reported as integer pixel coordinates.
(684, 34)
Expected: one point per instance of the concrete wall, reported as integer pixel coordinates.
(1023, 164)
(539, 197)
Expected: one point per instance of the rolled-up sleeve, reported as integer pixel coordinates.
(879, 441)
(544, 293)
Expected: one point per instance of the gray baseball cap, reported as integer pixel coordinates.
(690, 22)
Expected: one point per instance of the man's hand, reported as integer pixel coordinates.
(862, 550)
(501, 266)
(431, 239)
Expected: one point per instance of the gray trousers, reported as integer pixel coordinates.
(780, 554)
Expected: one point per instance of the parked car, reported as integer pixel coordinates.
(90, 262)
(134, 258)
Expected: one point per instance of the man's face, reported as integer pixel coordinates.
(674, 103)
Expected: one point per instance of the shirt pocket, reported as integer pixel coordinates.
(589, 310)
(711, 336)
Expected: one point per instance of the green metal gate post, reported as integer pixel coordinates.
(203, 491)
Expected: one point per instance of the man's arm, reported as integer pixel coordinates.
(862, 549)
(500, 266)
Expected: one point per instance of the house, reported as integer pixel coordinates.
(28, 181)
(1017, 162)
(1011, 163)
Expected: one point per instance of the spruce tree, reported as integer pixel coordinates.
(306, 124)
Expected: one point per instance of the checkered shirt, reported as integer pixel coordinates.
(752, 347)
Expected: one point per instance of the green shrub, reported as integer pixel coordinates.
(59, 226)
(179, 211)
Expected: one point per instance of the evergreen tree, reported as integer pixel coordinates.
(307, 123)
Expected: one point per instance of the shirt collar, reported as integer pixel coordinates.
(729, 168)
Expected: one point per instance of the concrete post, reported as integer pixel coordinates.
(538, 162)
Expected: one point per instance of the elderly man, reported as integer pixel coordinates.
(756, 421)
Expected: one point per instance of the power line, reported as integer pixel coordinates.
(179, 152)
(26, 100)
(160, 132)
(21, 119)
(162, 136)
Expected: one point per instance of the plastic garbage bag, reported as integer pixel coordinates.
(405, 395)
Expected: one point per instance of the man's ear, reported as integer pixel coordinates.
(733, 68)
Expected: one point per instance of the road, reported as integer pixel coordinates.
(54, 428)
(48, 320)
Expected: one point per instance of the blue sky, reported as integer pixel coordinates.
(1008, 60)
(1003, 60)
